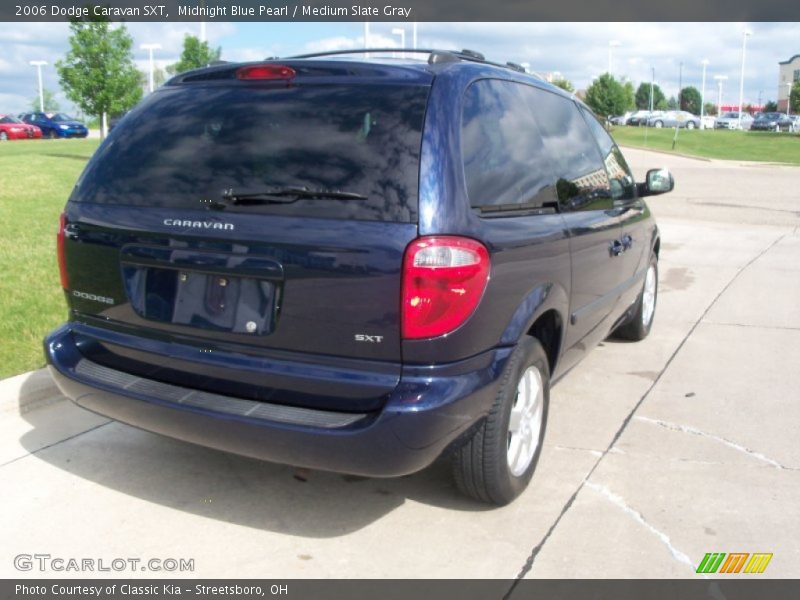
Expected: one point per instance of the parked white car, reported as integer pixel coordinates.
(730, 120)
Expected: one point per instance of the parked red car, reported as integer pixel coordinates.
(11, 128)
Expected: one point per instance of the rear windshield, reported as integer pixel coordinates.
(184, 147)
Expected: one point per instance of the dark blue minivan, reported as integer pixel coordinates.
(352, 265)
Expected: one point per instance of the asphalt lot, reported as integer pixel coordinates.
(656, 452)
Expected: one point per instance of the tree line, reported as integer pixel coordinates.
(607, 96)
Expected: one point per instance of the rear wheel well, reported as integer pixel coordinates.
(657, 246)
(547, 329)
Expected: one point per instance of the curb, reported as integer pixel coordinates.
(668, 153)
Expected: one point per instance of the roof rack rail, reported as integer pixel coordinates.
(435, 56)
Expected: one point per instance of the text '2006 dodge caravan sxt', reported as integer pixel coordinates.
(352, 265)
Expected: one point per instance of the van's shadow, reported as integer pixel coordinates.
(232, 488)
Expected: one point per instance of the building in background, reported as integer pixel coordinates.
(788, 72)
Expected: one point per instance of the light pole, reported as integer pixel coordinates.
(150, 48)
(652, 83)
(704, 62)
(39, 64)
(611, 45)
(202, 4)
(402, 33)
(745, 34)
(720, 79)
(680, 86)
(788, 85)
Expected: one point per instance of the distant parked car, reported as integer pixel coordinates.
(674, 118)
(11, 128)
(621, 119)
(773, 121)
(795, 123)
(730, 120)
(56, 125)
(640, 117)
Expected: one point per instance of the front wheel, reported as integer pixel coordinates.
(659, 124)
(3, 136)
(641, 321)
(690, 125)
(52, 135)
(497, 460)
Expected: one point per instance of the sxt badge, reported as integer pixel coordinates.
(375, 339)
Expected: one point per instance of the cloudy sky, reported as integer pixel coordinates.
(577, 50)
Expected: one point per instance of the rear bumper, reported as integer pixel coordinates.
(430, 407)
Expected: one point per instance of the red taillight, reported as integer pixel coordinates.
(443, 281)
(266, 72)
(62, 263)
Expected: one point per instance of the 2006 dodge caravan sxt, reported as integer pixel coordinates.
(352, 265)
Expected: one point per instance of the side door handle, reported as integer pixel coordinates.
(616, 248)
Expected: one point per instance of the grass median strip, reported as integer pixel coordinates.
(37, 177)
(724, 144)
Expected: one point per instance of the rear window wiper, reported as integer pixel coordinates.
(286, 195)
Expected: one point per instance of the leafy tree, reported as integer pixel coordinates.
(794, 104)
(642, 97)
(159, 77)
(630, 99)
(606, 96)
(710, 109)
(564, 84)
(196, 54)
(98, 73)
(672, 103)
(691, 100)
(771, 106)
(50, 104)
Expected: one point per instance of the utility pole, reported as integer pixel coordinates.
(612, 44)
(680, 86)
(652, 83)
(39, 64)
(745, 34)
(150, 48)
(703, 92)
(720, 79)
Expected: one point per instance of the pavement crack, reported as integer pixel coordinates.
(591, 451)
(639, 518)
(716, 438)
(775, 327)
(72, 437)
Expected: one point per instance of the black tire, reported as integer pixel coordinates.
(52, 135)
(480, 465)
(690, 125)
(635, 328)
(3, 136)
(658, 124)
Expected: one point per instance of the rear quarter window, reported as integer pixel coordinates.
(505, 163)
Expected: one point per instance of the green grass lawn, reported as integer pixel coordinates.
(36, 177)
(715, 143)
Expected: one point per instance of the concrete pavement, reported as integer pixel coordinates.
(656, 452)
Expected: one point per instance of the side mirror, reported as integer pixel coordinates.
(657, 181)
